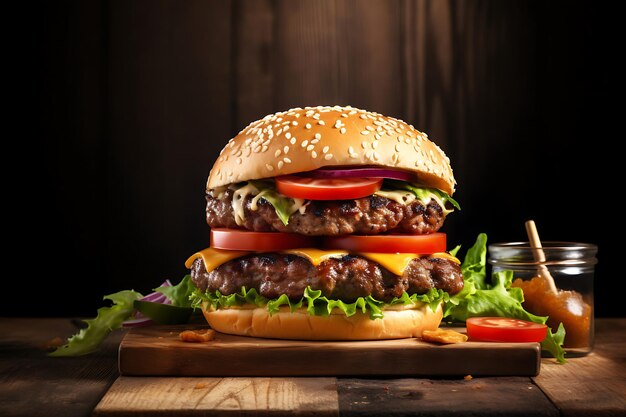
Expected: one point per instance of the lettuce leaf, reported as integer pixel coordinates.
(284, 206)
(88, 340)
(422, 193)
(315, 303)
(480, 298)
(179, 294)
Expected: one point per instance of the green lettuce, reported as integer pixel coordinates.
(88, 340)
(284, 206)
(315, 303)
(480, 298)
(422, 193)
(179, 294)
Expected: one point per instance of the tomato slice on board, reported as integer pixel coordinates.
(231, 239)
(295, 186)
(503, 329)
(418, 244)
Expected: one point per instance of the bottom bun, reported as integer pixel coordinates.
(299, 325)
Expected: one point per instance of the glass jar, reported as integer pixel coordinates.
(568, 298)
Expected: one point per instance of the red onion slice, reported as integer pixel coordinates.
(154, 297)
(360, 173)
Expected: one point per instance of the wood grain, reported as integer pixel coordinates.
(497, 396)
(33, 384)
(591, 385)
(158, 351)
(137, 396)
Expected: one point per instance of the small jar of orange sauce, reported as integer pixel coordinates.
(569, 300)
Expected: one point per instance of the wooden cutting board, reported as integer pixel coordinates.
(158, 351)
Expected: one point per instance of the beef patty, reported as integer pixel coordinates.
(346, 278)
(368, 216)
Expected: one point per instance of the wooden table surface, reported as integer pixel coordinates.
(32, 384)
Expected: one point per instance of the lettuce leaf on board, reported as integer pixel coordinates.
(480, 298)
(89, 339)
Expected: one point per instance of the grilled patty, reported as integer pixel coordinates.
(346, 278)
(368, 216)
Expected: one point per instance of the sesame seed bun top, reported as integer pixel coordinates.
(300, 140)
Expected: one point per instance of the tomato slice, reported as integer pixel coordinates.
(231, 239)
(503, 329)
(418, 244)
(295, 186)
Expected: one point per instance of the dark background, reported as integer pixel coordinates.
(122, 107)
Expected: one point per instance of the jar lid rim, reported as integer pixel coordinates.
(547, 245)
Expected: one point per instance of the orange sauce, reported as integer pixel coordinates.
(565, 307)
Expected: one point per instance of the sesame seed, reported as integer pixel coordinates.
(338, 124)
(294, 123)
(310, 147)
(363, 116)
(400, 138)
(308, 125)
(257, 149)
(375, 144)
(365, 132)
(407, 141)
(269, 167)
(394, 158)
(264, 148)
(350, 150)
(267, 142)
(397, 147)
(343, 130)
(239, 161)
(328, 156)
(293, 141)
(370, 128)
(321, 122)
(325, 149)
(315, 140)
(376, 156)
(318, 136)
(316, 116)
(354, 155)
(288, 135)
(344, 115)
(286, 128)
(304, 143)
(277, 153)
(286, 150)
(313, 154)
(280, 164)
(378, 136)
(364, 145)
(287, 160)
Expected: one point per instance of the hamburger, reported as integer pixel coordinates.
(324, 225)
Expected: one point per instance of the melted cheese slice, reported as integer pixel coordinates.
(214, 257)
(396, 263)
(317, 256)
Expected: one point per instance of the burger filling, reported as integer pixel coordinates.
(346, 278)
(396, 211)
